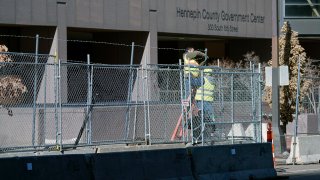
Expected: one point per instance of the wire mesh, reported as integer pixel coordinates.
(23, 97)
(164, 101)
(228, 106)
(78, 104)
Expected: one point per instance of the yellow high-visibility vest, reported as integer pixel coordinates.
(191, 67)
(206, 91)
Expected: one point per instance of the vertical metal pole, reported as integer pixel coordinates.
(56, 86)
(45, 102)
(60, 107)
(202, 108)
(91, 103)
(35, 90)
(260, 104)
(146, 103)
(296, 118)
(148, 108)
(202, 113)
(89, 98)
(127, 124)
(144, 100)
(221, 100)
(167, 98)
(251, 87)
(253, 107)
(136, 106)
(232, 109)
(182, 97)
(190, 113)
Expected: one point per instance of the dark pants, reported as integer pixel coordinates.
(207, 108)
(192, 83)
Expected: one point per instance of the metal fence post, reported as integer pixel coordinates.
(56, 86)
(129, 97)
(148, 135)
(190, 119)
(253, 107)
(260, 104)
(146, 103)
(232, 109)
(60, 106)
(45, 103)
(144, 100)
(89, 98)
(296, 118)
(35, 90)
(136, 107)
(182, 97)
(202, 106)
(166, 98)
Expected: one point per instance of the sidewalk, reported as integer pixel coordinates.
(281, 159)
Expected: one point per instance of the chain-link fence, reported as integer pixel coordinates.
(223, 107)
(70, 104)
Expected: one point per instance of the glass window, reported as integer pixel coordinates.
(302, 8)
(301, 1)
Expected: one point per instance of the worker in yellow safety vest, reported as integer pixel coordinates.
(191, 71)
(204, 100)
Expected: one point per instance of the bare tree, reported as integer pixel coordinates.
(11, 86)
(313, 73)
(249, 57)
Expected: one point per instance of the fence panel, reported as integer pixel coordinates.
(23, 90)
(77, 104)
(236, 109)
(116, 105)
(164, 101)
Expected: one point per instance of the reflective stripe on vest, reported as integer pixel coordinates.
(206, 91)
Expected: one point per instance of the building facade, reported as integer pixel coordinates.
(160, 29)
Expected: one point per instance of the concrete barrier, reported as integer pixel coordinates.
(152, 164)
(244, 161)
(45, 167)
(237, 130)
(307, 150)
(211, 162)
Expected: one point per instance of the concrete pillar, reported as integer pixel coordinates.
(150, 54)
(62, 28)
(46, 92)
(62, 45)
(278, 141)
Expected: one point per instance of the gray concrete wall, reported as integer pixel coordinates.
(28, 12)
(110, 14)
(247, 161)
(146, 15)
(192, 17)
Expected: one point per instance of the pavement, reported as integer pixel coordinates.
(281, 159)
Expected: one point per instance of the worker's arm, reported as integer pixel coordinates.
(194, 54)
